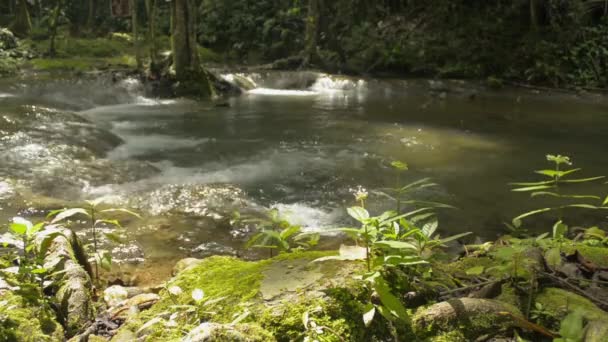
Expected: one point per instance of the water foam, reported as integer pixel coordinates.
(282, 92)
(138, 145)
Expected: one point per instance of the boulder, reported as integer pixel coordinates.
(558, 303)
(7, 39)
(116, 294)
(185, 264)
(26, 320)
(473, 316)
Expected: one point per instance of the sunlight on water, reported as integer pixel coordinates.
(282, 92)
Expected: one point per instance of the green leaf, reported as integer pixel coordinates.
(533, 183)
(572, 327)
(358, 213)
(477, 270)
(39, 270)
(533, 188)
(110, 222)
(395, 245)
(455, 237)
(421, 183)
(33, 230)
(391, 302)
(553, 257)
(554, 194)
(368, 316)
(288, 232)
(105, 261)
(559, 230)
(582, 180)
(18, 228)
(555, 173)
(401, 166)
(114, 237)
(121, 210)
(65, 214)
(605, 201)
(530, 213)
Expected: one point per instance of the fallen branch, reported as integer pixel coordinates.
(525, 324)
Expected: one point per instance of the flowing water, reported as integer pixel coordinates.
(298, 142)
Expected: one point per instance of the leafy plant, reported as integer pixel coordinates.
(399, 192)
(96, 218)
(572, 328)
(558, 179)
(279, 234)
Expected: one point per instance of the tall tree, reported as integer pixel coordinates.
(134, 23)
(151, 9)
(313, 21)
(22, 25)
(53, 25)
(188, 71)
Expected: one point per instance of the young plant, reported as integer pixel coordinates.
(399, 192)
(558, 179)
(277, 234)
(96, 218)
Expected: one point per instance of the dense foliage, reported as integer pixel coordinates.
(550, 42)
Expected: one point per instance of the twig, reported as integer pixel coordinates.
(525, 324)
(443, 293)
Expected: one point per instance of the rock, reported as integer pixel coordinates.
(558, 303)
(72, 281)
(596, 331)
(7, 39)
(185, 264)
(210, 332)
(473, 316)
(133, 306)
(124, 335)
(212, 248)
(21, 321)
(116, 294)
(233, 287)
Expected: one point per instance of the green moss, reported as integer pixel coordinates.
(597, 255)
(557, 303)
(452, 336)
(81, 64)
(208, 55)
(21, 320)
(474, 318)
(509, 295)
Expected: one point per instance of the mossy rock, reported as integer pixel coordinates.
(26, 321)
(275, 294)
(210, 332)
(473, 317)
(557, 303)
(597, 255)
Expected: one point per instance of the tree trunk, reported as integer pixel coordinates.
(22, 26)
(185, 56)
(151, 12)
(91, 15)
(53, 23)
(191, 77)
(534, 14)
(135, 36)
(312, 30)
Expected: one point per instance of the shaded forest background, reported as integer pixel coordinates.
(549, 42)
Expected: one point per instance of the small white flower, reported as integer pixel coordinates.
(175, 290)
(198, 295)
(360, 193)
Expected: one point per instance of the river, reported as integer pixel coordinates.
(298, 142)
